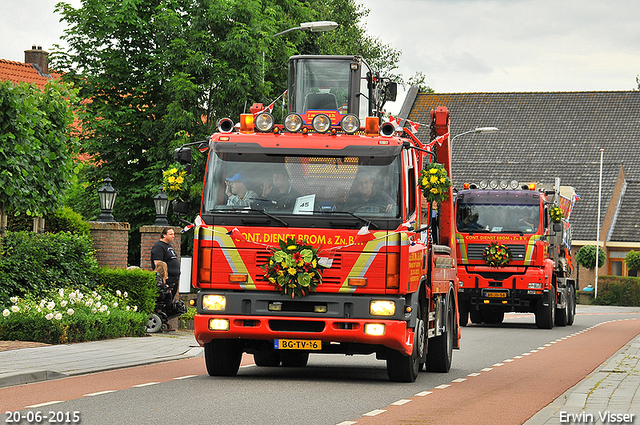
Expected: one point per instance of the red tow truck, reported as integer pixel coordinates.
(313, 235)
(512, 255)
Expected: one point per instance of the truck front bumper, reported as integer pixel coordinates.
(341, 318)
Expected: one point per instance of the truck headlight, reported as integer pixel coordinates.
(321, 123)
(374, 329)
(214, 302)
(350, 124)
(264, 122)
(535, 285)
(293, 123)
(382, 308)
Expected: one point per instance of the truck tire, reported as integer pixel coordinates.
(562, 314)
(222, 357)
(401, 368)
(492, 317)
(267, 358)
(294, 359)
(571, 305)
(475, 315)
(545, 315)
(463, 312)
(440, 348)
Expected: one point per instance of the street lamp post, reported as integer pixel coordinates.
(317, 26)
(161, 203)
(107, 195)
(477, 130)
(598, 226)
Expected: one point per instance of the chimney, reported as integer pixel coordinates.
(37, 57)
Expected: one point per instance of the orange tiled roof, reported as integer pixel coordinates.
(24, 72)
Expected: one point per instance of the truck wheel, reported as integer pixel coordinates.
(401, 368)
(492, 317)
(294, 359)
(463, 312)
(562, 314)
(222, 357)
(440, 348)
(269, 358)
(545, 315)
(475, 315)
(571, 305)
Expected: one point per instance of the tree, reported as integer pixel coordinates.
(586, 257)
(36, 147)
(632, 260)
(159, 73)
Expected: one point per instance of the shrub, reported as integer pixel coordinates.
(71, 315)
(186, 317)
(62, 220)
(586, 257)
(618, 290)
(139, 284)
(33, 263)
(632, 260)
(66, 220)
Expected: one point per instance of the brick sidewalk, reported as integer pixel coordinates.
(16, 345)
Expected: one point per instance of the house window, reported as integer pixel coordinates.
(617, 267)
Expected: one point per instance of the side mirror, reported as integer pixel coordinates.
(391, 92)
(180, 207)
(183, 156)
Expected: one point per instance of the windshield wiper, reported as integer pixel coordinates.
(374, 225)
(281, 221)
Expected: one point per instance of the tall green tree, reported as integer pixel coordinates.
(36, 147)
(158, 73)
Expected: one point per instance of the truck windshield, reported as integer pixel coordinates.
(302, 185)
(497, 218)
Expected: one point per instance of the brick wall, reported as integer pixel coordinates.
(111, 242)
(149, 235)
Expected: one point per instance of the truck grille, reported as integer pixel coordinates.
(475, 250)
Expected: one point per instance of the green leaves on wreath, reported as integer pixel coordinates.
(496, 255)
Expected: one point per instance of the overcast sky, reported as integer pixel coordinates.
(460, 45)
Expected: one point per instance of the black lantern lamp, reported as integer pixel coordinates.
(107, 195)
(161, 203)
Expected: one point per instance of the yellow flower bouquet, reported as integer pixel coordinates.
(556, 214)
(434, 182)
(294, 269)
(175, 182)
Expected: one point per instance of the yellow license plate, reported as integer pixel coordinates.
(496, 295)
(297, 344)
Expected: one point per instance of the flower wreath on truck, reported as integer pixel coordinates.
(294, 269)
(434, 182)
(556, 214)
(496, 255)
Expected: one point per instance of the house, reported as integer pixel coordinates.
(35, 68)
(544, 135)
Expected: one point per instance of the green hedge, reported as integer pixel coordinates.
(63, 220)
(139, 284)
(32, 263)
(618, 290)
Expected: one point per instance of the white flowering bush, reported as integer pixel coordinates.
(72, 314)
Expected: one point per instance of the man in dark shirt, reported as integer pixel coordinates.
(363, 194)
(163, 251)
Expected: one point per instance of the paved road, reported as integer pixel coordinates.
(514, 357)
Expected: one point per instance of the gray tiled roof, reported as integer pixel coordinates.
(627, 224)
(543, 136)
